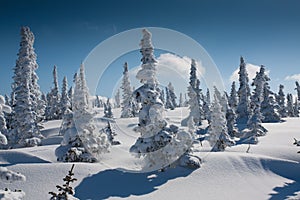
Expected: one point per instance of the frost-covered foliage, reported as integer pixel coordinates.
(25, 88)
(172, 94)
(66, 191)
(254, 123)
(280, 98)
(160, 145)
(269, 105)
(65, 103)
(3, 130)
(82, 142)
(98, 102)
(117, 99)
(298, 90)
(194, 97)
(169, 104)
(230, 119)
(233, 99)
(162, 96)
(217, 130)
(110, 134)
(290, 106)
(181, 102)
(296, 108)
(243, 108)
(127, 103)
(53, 109)
(108, 109)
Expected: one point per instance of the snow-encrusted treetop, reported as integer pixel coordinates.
(147, 74)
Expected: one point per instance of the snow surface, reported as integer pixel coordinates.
(269, 171)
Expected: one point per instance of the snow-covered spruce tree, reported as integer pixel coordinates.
(254, 127)
(117, 99)
(268, 105)
(162, 96)
(110, 134)
(243, 108)
(65, 101)
(160, 145)
(3, 129)
(53, 110)
(231, 120)
(206, 106)
(172, 94)
(298, 90)
(290, 106)
(296, 108)
(194, 97)
(181, 103)
(108, 110)
(83, 142)
(169, 104)
(127, 95)
(25, 129)
(217, 130)
(233, 99)
(9, 176)
(8, 115)
(280, 98)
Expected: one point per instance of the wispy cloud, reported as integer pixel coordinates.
(294, 77)
(251, 70)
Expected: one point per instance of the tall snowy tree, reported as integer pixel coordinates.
(82, 142)
(296, 108)
(206, 105)
(298, 90)
(290, 106)
(194, 97)
(268, 105)
(181, 103)
(53, 110)
(117, 99)
(65, 103)
(169, 103)
(108, 109)
(159, 144)
(254, 123)
(3, 129)
(280, 98)
(233, 99)
(162, 96)
(217, 130)
(127, 102)
(243, 108)
(25, 114)
(172, 94)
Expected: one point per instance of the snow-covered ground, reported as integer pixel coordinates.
(270, 170)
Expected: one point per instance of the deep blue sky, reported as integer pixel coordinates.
(264, 32)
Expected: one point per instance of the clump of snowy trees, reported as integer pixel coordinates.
(160, 144)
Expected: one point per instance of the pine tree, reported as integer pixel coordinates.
(159, 144)
(117, 99)
(162, 96)
(233, 99)
(127, 102)
(290, 106)
(217, 130)
(230, 120)
(280, 98)
(181, 103)
(169, 104)
(243, 107)
(108, 110)
(53, 110)
(25, 89)
(296, 108)
(4, 108)
(81, 143)
(298, 90)
(268, 105)
(194, 92)
(172, 94)
(65, 101)
(254, 123)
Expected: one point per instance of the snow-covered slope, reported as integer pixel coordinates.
(269, 171)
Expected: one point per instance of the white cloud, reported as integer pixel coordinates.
(294, 77)
(251, 70)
